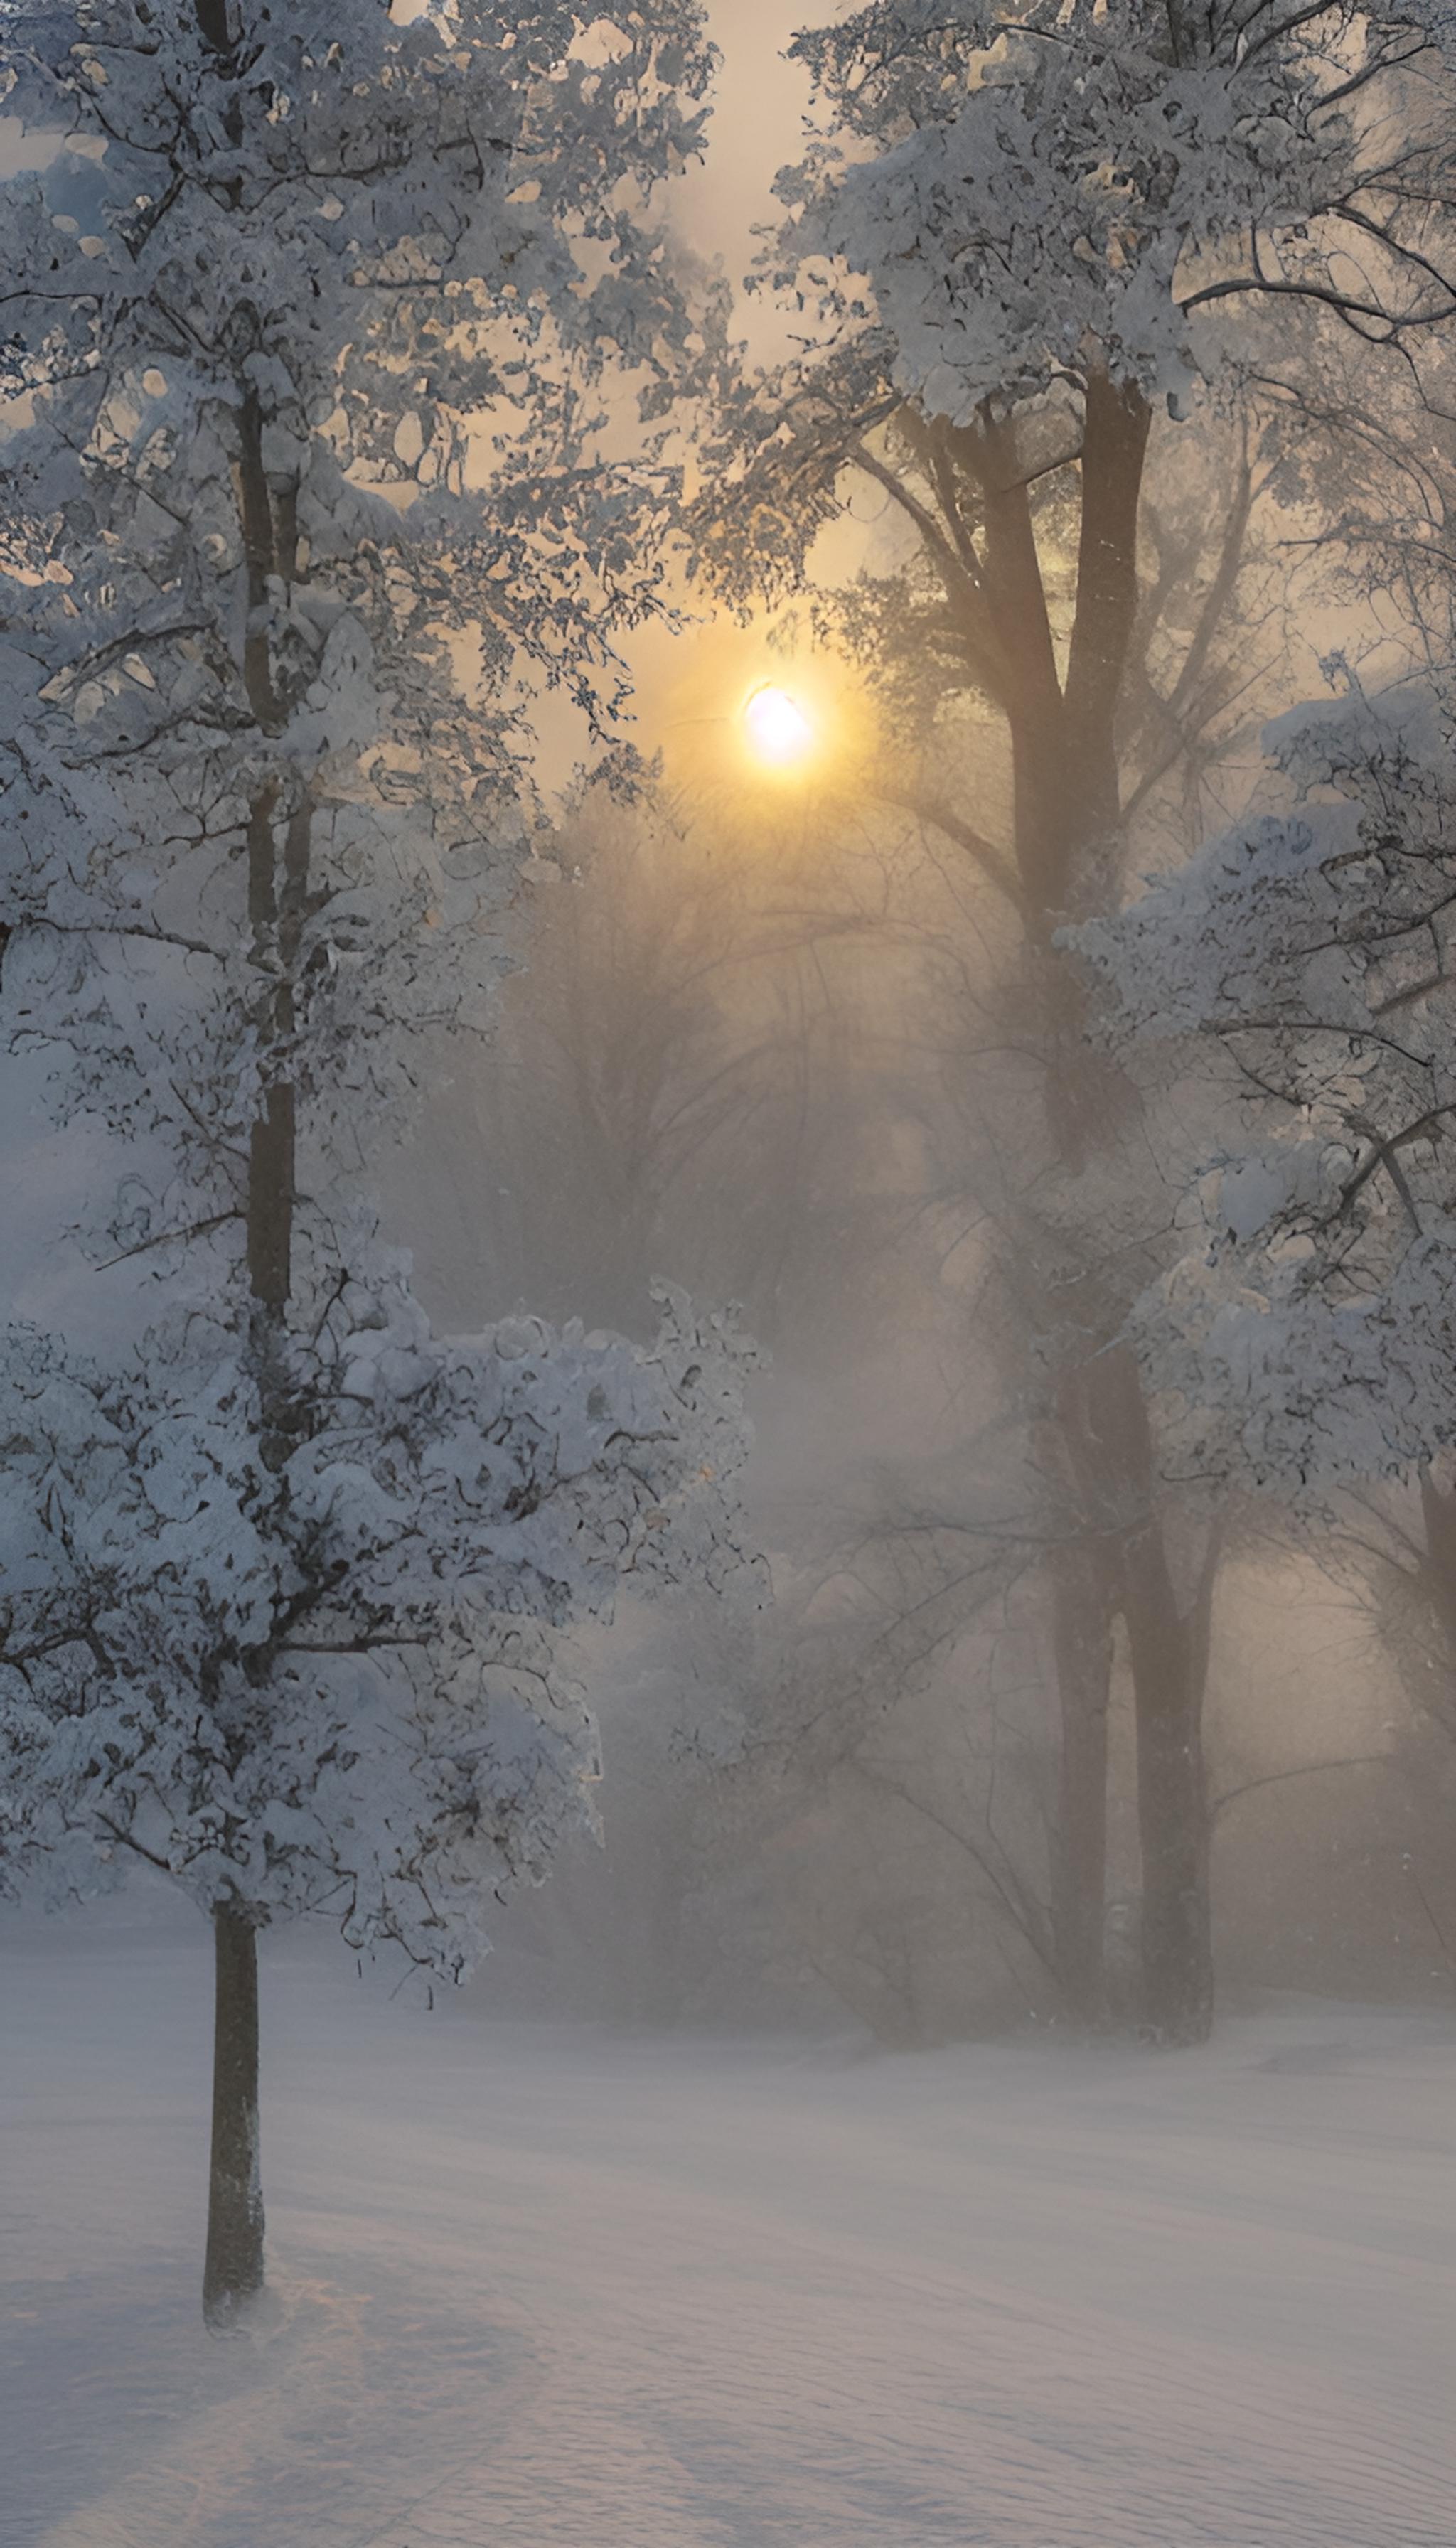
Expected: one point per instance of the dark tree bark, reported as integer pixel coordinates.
(1438, 1568)
(1172, 1801)
(1082, 1621)
(1116, 428)
(1168, 1649)
(232, 2274)
(277, 900)
(215, 25)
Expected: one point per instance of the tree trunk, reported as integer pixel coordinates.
(1116, 426)
(1066, 793)
(1437, 1581)
(233, 2275)
(1066, 790)
(1064, 775)
(1167, 1648)
(277, 891)
(1172, 1805)
(1082, 1643)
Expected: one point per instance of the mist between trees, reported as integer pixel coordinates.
(362, 398)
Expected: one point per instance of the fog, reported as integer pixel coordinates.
(739, 1057)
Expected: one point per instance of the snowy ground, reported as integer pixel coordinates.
(548, 2289)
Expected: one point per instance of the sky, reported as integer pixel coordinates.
(759, 103)
(686, 680)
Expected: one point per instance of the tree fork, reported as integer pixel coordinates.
(232, 2273)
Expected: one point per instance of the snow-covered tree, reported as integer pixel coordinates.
(1302, 1340)
(325, 331)
(1018, 236)
(1304, 1332)
(290, 1639)
(1017, 231)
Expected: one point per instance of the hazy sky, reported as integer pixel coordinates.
(759, 102)
(756, 128)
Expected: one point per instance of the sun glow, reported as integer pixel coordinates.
(777, 730)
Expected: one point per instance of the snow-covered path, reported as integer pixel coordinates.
(544, 2288)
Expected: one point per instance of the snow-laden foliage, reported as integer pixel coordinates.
(314, 317)
(1309, 1330)
(1020, 184)
(1000, 203)
(329, 1682)
(328, 332)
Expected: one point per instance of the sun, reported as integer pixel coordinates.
(776, 727)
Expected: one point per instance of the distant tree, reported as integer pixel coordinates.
(1016, 235)
(648, 1104)
(311, 312)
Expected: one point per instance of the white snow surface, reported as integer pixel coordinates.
(549, 2288)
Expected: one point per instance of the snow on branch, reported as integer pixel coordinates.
(1011, 193)
(334, 1684)
(326, 333)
